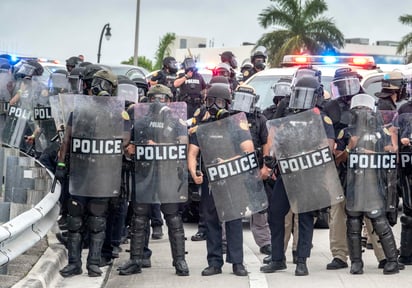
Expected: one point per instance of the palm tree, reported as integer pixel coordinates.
(301, 29)
(143, 62)
(164, 49)
(406, 41)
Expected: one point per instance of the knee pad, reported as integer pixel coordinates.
(174, 221)
(381, 225)
(141, 209)
(96, 224)
(375, 214)
(98, 207)
(354, 224)
(74, 223)
(75, 208)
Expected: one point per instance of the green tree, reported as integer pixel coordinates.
(163, 49)
(404, 46)
(298, 28)
(143, 62)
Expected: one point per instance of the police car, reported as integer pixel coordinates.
(264, 80)
(49, 66)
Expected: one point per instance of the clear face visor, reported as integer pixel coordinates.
(244, 102)
(173, 66)
(75, 84)
(282, 89)
(26, 70)
(362, 101)
(220, 103)
(58, 81)
(128, 92)
(302, 98)
(345, 87)
(304, 73)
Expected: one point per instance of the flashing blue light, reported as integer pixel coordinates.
(14, 58)
(329, 59)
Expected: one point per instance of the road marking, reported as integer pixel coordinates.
(257, 279)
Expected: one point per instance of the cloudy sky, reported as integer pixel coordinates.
(63, 28)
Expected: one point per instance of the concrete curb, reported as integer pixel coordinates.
(46, 271)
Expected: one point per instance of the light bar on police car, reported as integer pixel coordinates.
(294, 60)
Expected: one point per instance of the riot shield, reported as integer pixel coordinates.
(128, 92)
(6, 81)
(160, 137)
(233, 174)
(404, 124)
(19, 120)
(368, 163)
(305, 161)
(96, 146)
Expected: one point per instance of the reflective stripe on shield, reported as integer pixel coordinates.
(305, 161)
(233, 173)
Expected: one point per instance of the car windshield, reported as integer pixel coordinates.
(128, 71)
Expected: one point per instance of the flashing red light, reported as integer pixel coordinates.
(360, 61)
(301, 59)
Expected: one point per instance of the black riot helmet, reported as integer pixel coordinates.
(75, 79)
(346, 83)
(73, 62)
(189, 64)
(218, 99)
(28, 69)
(170, 64)
(394, 82)
(104, 83)
(230, 58)
(127, 89)
(306, 71)
(142, 86)
(89, 71)
(307, 93)
(258, 57)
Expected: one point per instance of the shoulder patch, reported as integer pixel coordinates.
(340, 135)
(246, 73)
(244, 125)
(386, 131)
(125, 116)
(155, 74)
(327, 120)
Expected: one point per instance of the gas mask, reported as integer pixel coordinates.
(102, 87)
(214, 105)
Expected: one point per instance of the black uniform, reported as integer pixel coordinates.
(166, 78)
(190, 92)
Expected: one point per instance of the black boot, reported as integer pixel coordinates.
(74, 247)
(301, 268)
(353, 234)
(137, 240)
(177, 244)
(405, 250)
(384, 231)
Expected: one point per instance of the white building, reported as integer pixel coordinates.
(384, 52)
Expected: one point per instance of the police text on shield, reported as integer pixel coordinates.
(231, 168)
(305, 161)
(161, 152)
(97, 146)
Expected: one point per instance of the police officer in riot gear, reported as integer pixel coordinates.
(393, 91)
(245, 100)
(159, 95)
(229, 58)
(364, 137)
(258, 59)
(88, 213)
(72, 63)
(167, 75)
(191, 86)
(405, 140)
(307, 93)
(218, 99)
(281, 89)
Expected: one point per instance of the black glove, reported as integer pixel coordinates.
(61, 173)
(392, 217)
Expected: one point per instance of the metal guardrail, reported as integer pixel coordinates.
(25, 230)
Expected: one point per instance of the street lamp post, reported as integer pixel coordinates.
(107, 35)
